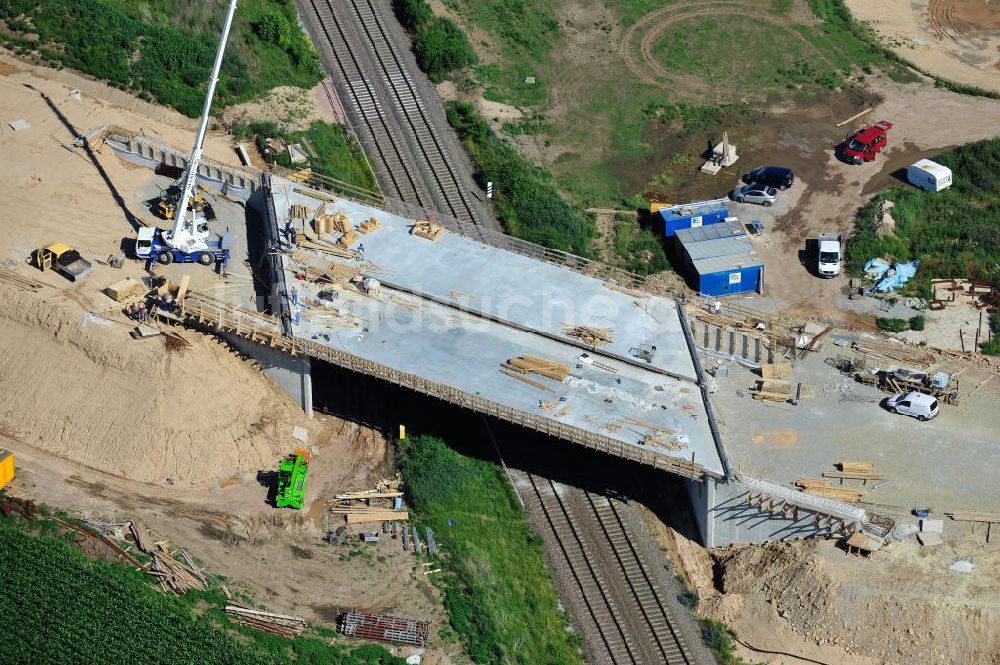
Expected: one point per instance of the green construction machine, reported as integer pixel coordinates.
(292, 473)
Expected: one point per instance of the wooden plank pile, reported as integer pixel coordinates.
(428, 230)
(898, 352)
(269, 622)
(374, 505)
(590, 335)
(124, 289)
(517, 368)
(296, 211)
(171, 573)
(369, 225)
(776, 370)
(655, 435)
(19, 281)
(822, 487)
(775, 390)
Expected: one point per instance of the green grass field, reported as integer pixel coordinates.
(607, 126)
(61, 607)
(499, 596)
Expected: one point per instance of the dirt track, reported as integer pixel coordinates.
(956, 39)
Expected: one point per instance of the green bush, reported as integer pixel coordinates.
(892, 325)
(413, 14)
(918, 322)
(439, 45)
(526, 199)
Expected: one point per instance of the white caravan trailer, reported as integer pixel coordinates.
(929, 175)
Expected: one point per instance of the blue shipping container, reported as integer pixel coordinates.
(728, 275)
(686, 217)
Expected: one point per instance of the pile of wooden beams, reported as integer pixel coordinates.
(369, 225)
(776, 390)
(428, 230)
(856, 467)
(296, 211)
(269, 622)
(822, 487)
(374, 505)
(518, 368)
(171, 573)
(326, 248)
(349, 237)
(18, 281)
(898, 352)
(534, 365)
(655, 435)
(590, 335)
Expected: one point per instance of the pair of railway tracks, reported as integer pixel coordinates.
(409, 150)
(621, 607)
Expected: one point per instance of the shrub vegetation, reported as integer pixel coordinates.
(954, 233)
(164, 49)
(439, 45)
(497, 591)
(524, 194)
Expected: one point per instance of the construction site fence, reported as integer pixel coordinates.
(202, 310)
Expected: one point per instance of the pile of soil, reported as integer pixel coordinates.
(78, 386)
(902, 606)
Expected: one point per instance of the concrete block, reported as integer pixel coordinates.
(929, 539)
(931, 526)
(300, 433)
(18, 125)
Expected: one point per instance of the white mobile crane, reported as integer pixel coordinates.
(190, 239)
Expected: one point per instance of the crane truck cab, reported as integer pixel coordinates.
(153, 243)
(829, 254)
(864, 145)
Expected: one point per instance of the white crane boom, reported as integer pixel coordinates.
(185, 235)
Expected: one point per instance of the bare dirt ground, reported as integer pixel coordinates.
(811, 599)
(292, 107)
(956, 39)
(107, 427)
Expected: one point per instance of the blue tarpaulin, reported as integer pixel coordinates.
(876, 268)
(904, 271)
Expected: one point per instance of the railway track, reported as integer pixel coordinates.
(620, 608)
(411, 153)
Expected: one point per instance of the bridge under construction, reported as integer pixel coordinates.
(528, 335)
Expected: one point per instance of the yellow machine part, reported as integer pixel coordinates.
(654, 206)
(46, 257)
(6, 467)
(167, 208)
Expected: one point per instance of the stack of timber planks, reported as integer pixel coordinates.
(172, 574)
(369, 225)
(518, 368)
(428, 230)
(590, 335)
(374, 505)
(822, 487)
(269, 622)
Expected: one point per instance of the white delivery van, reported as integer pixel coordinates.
(929, 175)
(829, 254)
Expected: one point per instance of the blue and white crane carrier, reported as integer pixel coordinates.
(190, 241)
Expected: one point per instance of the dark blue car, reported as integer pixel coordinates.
(773, 176)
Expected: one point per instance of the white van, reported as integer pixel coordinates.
(929, 175)
(918, 405)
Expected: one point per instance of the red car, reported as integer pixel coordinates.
(866, 144)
